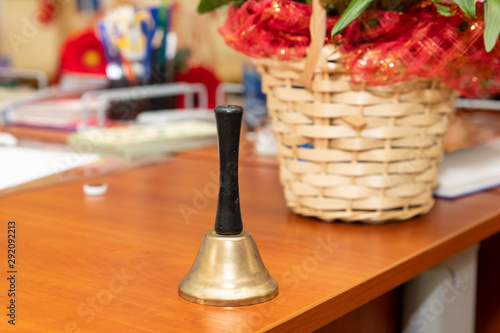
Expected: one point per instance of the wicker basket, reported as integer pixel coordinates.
(354, 153)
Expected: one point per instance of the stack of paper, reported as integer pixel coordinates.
(61, 113)
(137, 141)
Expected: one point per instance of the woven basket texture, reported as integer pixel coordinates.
(355, 152)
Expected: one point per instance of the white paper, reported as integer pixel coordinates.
(21, 165)
(469, 170)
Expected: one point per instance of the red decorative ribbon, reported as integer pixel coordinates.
(380, 47)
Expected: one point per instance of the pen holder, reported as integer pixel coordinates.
(128, 110)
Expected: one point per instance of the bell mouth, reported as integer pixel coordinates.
(228, 271)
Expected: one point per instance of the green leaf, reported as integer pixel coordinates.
(208, 5)
(467, 6)
(492, 23)
(355, 8)
(444, 10)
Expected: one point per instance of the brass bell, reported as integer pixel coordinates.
(228, 270)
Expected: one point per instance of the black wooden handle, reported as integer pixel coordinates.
(228, 218)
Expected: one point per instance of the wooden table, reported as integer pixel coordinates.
(113, 263)
(44, 135)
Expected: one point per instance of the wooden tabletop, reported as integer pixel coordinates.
(113, 263)
(37, 134)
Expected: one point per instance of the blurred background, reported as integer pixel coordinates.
(40, 27)
(85, 45)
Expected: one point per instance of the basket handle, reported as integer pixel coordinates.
(317, 28)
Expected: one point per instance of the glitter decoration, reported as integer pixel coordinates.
(379, 47)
